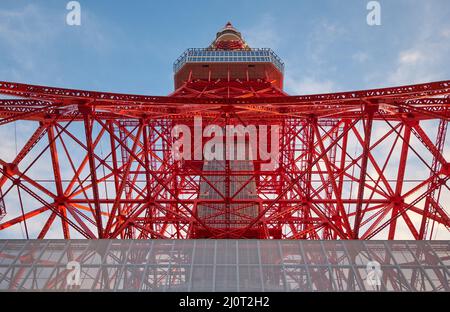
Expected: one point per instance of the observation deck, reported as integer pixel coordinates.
(229, 57)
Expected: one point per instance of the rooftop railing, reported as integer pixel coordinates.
(201, 55)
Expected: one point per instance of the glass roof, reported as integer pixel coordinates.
(223, 265)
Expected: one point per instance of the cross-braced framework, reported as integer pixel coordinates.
(351, 165)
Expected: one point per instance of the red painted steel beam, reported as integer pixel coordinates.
(154, 196)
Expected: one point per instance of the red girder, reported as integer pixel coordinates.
(344, 171)
(393, 102)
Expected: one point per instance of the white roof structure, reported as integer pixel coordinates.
(223, 265)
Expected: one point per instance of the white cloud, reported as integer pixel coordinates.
(321, 39)
(263, 34)
(23, 31)
(360, 57)
(446, 33)
(426, 57)
(410, 57)
(31, 35)
(309, 85)
(311, 75)
(414, 67)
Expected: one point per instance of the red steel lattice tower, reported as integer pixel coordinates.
(351, 165)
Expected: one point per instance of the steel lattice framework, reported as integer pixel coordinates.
(352, 165)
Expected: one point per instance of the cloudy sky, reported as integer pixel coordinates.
(130, 46)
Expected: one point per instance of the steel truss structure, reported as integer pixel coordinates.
(223, 265)
(352, 165)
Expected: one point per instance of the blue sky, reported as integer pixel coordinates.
(129, 46)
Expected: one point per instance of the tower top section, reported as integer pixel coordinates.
(229, 39)
(229, 57)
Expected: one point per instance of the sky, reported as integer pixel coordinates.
(130, 46)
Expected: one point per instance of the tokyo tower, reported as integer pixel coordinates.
(368, 164)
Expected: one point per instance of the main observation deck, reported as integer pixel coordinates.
(245, 64)
(201, 55)
(229, 57)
